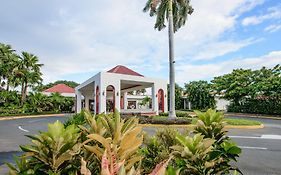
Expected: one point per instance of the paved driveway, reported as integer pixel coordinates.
(261, 147)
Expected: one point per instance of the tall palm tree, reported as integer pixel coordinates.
(8, 59)
(28, 72)
(175, 12)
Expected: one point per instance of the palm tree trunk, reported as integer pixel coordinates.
(8, 85)
(23, 91)
(172, 111)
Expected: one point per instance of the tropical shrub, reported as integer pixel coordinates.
(193, 155)
(210, 125)
(121, 138)
(157, 149)
(53, 152)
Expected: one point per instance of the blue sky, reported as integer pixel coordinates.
(76, 39)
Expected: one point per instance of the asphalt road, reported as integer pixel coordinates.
(261, 148)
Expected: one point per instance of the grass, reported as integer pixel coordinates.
(236, 122)
(245, 122)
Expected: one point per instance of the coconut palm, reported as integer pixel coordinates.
(8, 60)
(175, 12)
(28, 72)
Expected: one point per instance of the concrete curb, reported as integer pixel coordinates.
(251, 116)
(192, 126)
(32, 116)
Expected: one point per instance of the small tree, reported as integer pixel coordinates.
(199, 94)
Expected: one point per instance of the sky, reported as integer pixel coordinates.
(77, 39)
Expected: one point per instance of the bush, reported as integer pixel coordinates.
(157, 148)
(257, 106)
(161, 120)
(76, 119)
(178, 114)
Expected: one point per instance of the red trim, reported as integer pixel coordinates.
(161, 100)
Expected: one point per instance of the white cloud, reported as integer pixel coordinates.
(272, 13)
(73, 37)
(273, 28)
(189, 72)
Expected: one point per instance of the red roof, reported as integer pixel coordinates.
(124, 70)
(60, 88)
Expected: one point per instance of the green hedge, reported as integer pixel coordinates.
(162, 120)
(178, 114)
(257, 106)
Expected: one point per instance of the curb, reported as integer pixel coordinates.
(192, 126)
(32, 116)
(251, 116)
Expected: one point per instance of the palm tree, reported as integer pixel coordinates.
(8, 60)
(28, 72)
(175, 12)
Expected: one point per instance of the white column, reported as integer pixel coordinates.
(117, 95)
(78, 101)
(87, 106)
(154, 99)
(125, 100)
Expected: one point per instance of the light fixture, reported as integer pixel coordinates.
(117, 93)
(103, 93)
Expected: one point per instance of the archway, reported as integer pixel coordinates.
(110, 98)
(97, 100)
(161, 100)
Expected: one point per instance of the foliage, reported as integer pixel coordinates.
(76, 119)
(257, 106)
(157, 148)
(243, 84)
(54, 151)
(121, 138)
(146, 100)
(161, 120)
(178, 97)
(210, 125)
(178, 113)
(36, 103)
(180, 10)
(49, 85)
(193, 154)
(200, 95)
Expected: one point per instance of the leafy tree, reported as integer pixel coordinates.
(178, 97)
(175, 12)
(249, 84)
(199, 94)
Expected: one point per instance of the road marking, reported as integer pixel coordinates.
(250, 147)
(272, 137)
(33, 121)
(22, 129)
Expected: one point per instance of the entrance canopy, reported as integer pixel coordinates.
(109, 90)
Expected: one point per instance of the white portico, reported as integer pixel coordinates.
(106, 91)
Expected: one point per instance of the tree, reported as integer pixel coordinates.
(199, 93)
(8, 60)
(175, 12)
(28, 72)
(250, 84)
(178, 97)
